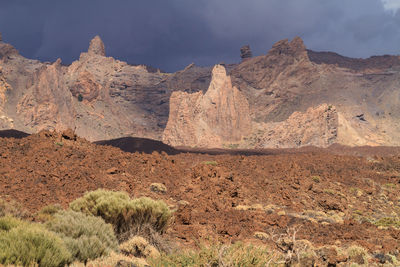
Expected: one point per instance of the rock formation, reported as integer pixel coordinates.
(47, 104)
(4, 87)
(245, 52)
(317, 126)
(274, 100)
(214, 119)
(96, 47)
(85, 87)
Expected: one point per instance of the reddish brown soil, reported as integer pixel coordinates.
(45, 168)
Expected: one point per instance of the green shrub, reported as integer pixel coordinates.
(316, 178)
(238, 254)
(388, 222)
(47, 213)
(358, 254)
(125, 214)
(212, 163)
(29, 244)
(86, 237)
(8, 222)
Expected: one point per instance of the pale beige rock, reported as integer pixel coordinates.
(4, 87)
(220, 116)
(47, 104)
(96, 47)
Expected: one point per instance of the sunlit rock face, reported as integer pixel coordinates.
(220, 116)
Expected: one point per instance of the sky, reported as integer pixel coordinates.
(171, 34)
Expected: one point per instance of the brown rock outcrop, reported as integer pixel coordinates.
(218, 117)
(245, 52)
(85, 87)
(7, 50)
(96, 47)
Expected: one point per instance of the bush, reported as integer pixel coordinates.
(86, 237)
(158, 188)
(47, 213)
(128, 216)
(28, 244)
(238, 254)
(8, 222)
(358, 254)
(139, 247)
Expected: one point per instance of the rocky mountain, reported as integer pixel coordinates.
(289, 97)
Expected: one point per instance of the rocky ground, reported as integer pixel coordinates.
(336, 196)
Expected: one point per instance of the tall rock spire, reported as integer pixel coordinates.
(96, 47)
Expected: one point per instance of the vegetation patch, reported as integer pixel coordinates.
(139, 247)
(212, 163)
(316, 178)
(390, 186)
(128, 216)
(238, 254)
(29, 244)
(86, 237)
(47, 213)
(158, 188)
(358, 254)
(388, 222)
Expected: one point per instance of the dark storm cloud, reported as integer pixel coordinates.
(171, 34)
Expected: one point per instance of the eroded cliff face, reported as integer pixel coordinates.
(47, 104)
(214, 119)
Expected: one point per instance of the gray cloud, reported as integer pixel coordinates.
(172, 34)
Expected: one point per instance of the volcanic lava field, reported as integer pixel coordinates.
(335, 196)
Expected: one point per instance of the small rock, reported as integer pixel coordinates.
(69, 134)
(183, 203)
(383, 258)
(112, 170)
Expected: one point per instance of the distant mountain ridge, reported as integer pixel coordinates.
(290, 97)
